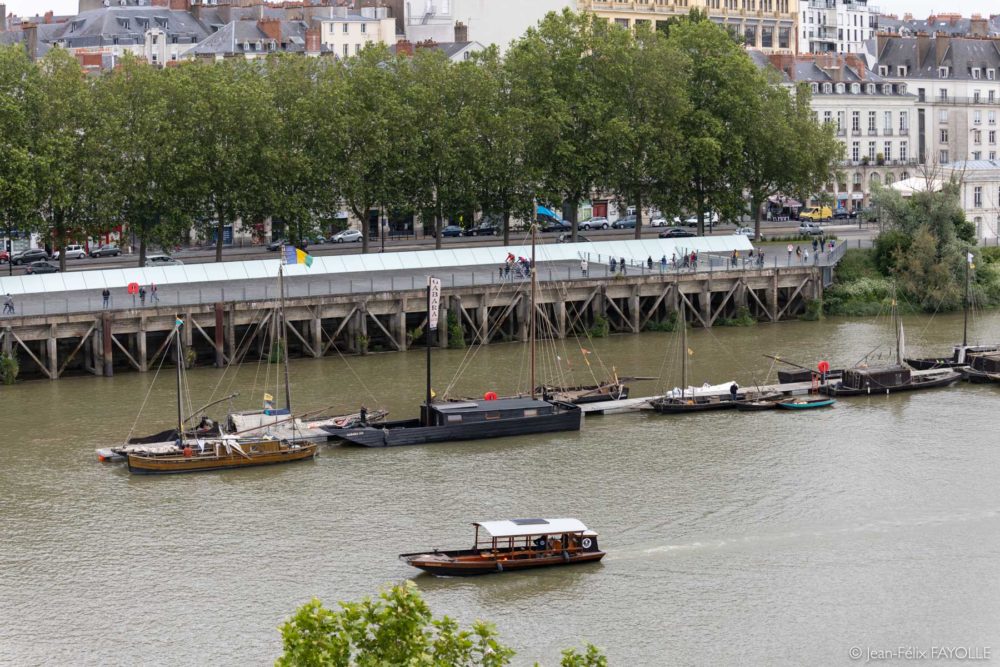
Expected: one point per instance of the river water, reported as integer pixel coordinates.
(732, 538)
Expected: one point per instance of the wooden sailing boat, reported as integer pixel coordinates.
(961, 354)
(196, 455)
(472, 419)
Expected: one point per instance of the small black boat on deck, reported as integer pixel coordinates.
(457, 421)
(889, 380)
(961, 356)
(982, 369)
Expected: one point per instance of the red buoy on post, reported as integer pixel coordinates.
(823, 367)
(490, 396)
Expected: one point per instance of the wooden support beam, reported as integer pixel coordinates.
(633, 309)
(52, 352)
(691, 308)
(791, 299)
(760, 303)
(108, 351)
(333, 336)
(541, 311)
(83, 341)
(316, 333)
(211, 340)
(128, 357)
(392, 339)
(290, 327)
(656, 304)
(583, 308)
(612, 304)
(220, 335)
(31, 354)
(725, 300)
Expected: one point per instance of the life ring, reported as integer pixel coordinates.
(586, 542)
(490, 396)
(540, 542)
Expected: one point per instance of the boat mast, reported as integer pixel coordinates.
(899, 329)
(531, 316)
(180, 409)
(684, 351)
(427, 341)
(965, 322)
(283, 336)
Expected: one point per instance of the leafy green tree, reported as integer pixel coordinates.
(227, 146)
(785, 149)
(398, 628)
(554, 80)
(723, 79)
(362, 124)
(72, 188)
(643, 133)
(443, 131)
(18, 87)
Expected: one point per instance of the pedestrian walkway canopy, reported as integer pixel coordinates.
(417, 260)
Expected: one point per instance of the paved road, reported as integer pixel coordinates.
(233, 254)
(357, 283)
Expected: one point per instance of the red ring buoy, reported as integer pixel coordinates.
(823, 366)
(490, 396)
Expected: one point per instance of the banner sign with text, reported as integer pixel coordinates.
(435, 302)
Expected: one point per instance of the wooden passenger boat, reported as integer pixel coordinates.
(807, 375)
(983, 368)
(510, 545)
(807, 403)
(961, 356)
(684, 404)
(889, 380)
(757, 405)
(221, 454)
(450, 421)
(610, 390)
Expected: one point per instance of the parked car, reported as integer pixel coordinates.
(482, 229)
(346, 236)
(30, 255)
(41, 267)
(4, 256)
(658, 221)
(162, 260)
(108, 250)
(816, 213)
(628, 222)
(567, 237)
(692, 220)
(675, 232)
(557, 226)
(451, 230)
(594, 223)
(72, 252)
(810, 228)
(843, 214)
(276, 244)
(744, 231)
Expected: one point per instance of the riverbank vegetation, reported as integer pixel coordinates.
(398, 628)
(920, 259)
(680, 119)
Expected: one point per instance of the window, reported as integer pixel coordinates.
(992, 136)
(883, 70)
(977, 155)
(841, 89)
(827, 88)
(855, 151)
(840, 122)
(871, 121)
(977, 136)
(766, 37)
(346, 53)
(828, 117)
(875, 178)
(857, 181)
(977, 196)
(943, 157)
(903, 147)
(871, 151)
(889, 179)
(903, 122)
(943, 136)
(357, 49)
(942, 115)
(976, 73)
(993, 155)
(901, 70)
(976, 97)
(364, 28)
(870, 89)
(905, 175)
(856, 88)
(977, 117)
(942, 72)
(991, 117)
(855, 121)
(921, 95)
(943, 94)
(887, 151)
(887, 89)
(887, 121)
(991, 73)
(345, 29)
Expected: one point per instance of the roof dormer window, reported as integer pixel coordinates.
(886, 89)
(840, 89)
(942, 72)
(991, 73)
(815, 88)
(883, 70)
(870, 89)
(901, 70)
(827, 88)
(856, 88)
(976, 73)
(901, 89)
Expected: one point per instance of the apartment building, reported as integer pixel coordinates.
(840, 26)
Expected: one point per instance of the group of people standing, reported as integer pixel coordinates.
(520, 266)
(152, 293)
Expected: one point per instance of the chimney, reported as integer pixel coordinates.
(941, 43)
(30, 31)
(180, 5)
(426, 44)
(271, 28)
(907, 16)
(881, 40)
(461, 32)
(313, 40)
(923, 48)
(404, 47)
(979, 27)
(857, 64)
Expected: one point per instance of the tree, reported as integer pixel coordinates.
(643, 134)
(501, 169)
(71, 187)
(398, 628)
(360, 113)
(18, 88)
(552, 69)
(226, 143)
(785, 149)
(723, 79)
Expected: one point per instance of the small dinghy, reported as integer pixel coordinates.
(806, 403)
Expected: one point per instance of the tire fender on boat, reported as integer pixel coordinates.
(565, 555)
(499, 566)
(586, 542)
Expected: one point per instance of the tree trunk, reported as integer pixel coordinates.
(574, 206)
(638, 216)
(438, 225)
(219, 229)
(506, 227)
(365, 228)
(60, 242)
(142, 252)
(758, 208)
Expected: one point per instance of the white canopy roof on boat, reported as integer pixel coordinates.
(521, 527)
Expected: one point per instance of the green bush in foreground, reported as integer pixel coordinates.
(9, 368)
(397, 628)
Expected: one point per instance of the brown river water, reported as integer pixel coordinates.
(732, 538)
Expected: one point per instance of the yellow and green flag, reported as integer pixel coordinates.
(295, 256)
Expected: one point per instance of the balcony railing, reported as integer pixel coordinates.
(887, 131)
(872, 132)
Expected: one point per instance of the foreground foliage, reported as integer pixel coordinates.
(397, 628)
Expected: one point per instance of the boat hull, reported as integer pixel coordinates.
(806, 405)
(912, 385)
(682, 406)
(167, 465)
(979, 377)
(404, 433)
(755, 406)
(446, 565)
(932, 364)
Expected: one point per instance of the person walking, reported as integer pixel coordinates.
(8, 305)
(106, 296)
(649, 262)
(153, 296)
(142, 296)
(815, 245)
(798, 252)
(791, 249)
(500, 270)
(614, 264)
(805, 257)
(733, 391)
(584, 267)
(621, 265)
